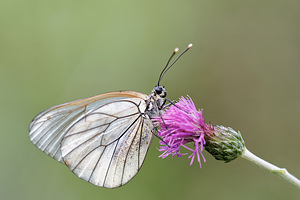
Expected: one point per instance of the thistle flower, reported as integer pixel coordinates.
(182, 123)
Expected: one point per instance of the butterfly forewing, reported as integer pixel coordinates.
(102, 139)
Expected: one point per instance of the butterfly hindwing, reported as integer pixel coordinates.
(107, 147)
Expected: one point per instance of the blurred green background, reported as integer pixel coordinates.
(243, 70)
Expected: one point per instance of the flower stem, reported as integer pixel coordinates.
(282, 172)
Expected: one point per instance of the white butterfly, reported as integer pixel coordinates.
(102, 139)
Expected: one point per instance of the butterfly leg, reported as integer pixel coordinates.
(153, 132)
(169, 104)
(172, 103)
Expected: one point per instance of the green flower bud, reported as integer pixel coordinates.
(224, 143)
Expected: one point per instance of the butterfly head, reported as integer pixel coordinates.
(159, 92)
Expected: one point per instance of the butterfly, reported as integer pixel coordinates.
(102, 139)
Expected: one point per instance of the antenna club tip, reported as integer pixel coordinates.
(190, 45)
(176, 50)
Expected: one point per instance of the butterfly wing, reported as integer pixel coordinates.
(102, 139)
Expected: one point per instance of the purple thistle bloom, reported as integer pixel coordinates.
(182, 123)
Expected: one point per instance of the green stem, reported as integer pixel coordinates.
(282, 172)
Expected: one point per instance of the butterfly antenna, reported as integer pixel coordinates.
(168, 67)
(174, 52)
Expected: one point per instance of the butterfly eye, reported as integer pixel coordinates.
(158, 90)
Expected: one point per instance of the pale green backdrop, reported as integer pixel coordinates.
(243, 70)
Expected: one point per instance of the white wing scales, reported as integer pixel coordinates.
(125, 162)
(48, 129)
(104, 142)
